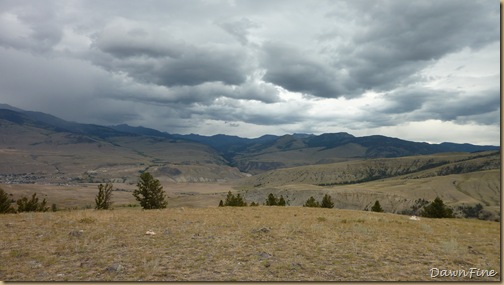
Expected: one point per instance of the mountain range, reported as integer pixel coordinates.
(41, 149)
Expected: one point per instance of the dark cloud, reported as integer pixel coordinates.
(178, 65)
(297, 71)
(401, 38)
(463, 107)
(209, 65)
(406, 100)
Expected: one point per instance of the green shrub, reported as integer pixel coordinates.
(32, 205)
(281, 201)
(471, 211)
(437, 209)
(272, 200)
(5, 203)
(311, 202)
(150, 193)
(234, 201)
(377, 207)
(327, 202)
(103, 197)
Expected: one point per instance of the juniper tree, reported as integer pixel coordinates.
(239, 201)
(150, 193)
(230, 198)
(235, 201)
(272, 200)
(5, 203)
(32, 205)
(437, 209)
(377, 207)
(327, 202)
(281, 201)
(103, 197)
(311, 202)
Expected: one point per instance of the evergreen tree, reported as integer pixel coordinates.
(234, 201)
(230, 199)
(437, 209)
(239, 201)
(103, 197)
(311, 202)
(281, 201)
(32, 205)
(327, 202)
(377, 207)
(272, 200)
(150, 193)
(5, 203)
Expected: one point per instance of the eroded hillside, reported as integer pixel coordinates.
(399, 183)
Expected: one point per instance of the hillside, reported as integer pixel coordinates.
(242, 244)
(358, 171)
(460, 179)
(34, 151)
(290, 151)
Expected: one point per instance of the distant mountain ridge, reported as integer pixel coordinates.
(258, 154)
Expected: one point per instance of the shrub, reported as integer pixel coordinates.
(377, 207)
(281, 201)
(150, 193)
(416, 208)
(437, 209)
(103, 197)
(5, 203)
(234, 201)
(272, 200)
(311, 202)
(327, 202)
(471, 211)
(32, 205)
(221, 204)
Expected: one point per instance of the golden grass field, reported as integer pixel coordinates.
(242, 244)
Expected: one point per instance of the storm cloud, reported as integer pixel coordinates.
(254, 67)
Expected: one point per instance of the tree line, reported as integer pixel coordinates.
(150, 194)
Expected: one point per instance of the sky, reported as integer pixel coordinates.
(424, 71)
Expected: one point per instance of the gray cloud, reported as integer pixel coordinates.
(296, 71)
(175, 65)
(31, 28)
(463, 107)
(239, 28)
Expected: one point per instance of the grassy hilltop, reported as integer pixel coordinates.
(242, 244)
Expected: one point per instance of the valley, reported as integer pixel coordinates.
(65, 161)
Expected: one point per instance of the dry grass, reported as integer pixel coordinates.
(241, 244)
